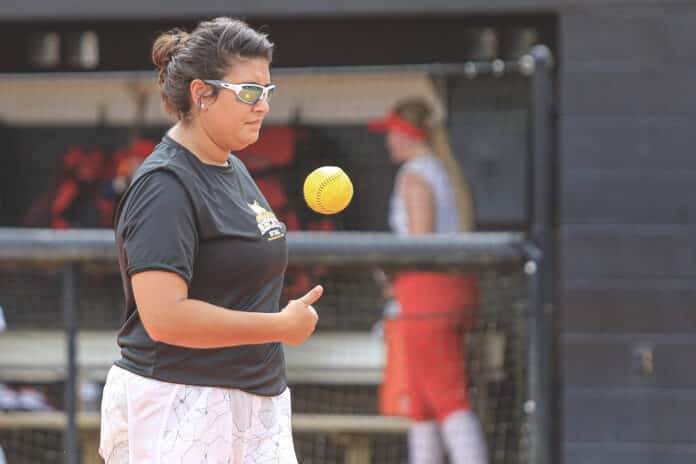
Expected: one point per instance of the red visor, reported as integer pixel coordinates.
(395, 122)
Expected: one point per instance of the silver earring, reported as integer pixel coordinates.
(203, 106)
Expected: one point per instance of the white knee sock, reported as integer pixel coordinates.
(464, 438)
(424, 443)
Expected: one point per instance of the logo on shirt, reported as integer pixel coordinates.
(269, 225)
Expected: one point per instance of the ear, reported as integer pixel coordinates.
(200, 93)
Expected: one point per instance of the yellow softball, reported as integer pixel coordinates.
(328, 190)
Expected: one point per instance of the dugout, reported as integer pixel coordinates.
(481, 90)
(623, 215)
(479, 87)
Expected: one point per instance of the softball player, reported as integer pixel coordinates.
(430, 196)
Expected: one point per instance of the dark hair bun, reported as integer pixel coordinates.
(165, 47)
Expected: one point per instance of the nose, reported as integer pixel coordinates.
(262, 106)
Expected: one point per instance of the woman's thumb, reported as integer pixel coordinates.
(313, 295)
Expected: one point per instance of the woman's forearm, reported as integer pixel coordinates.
(197, 324)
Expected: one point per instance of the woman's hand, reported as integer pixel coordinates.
(385, 281)
(300, 318)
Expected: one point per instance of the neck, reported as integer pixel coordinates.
(416, 150)
(196, 140)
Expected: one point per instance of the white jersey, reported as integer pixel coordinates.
(431, 170)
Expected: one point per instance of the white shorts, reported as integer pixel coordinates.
(147, 421)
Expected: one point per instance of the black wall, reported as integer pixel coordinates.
(325, 41)
(627, 222)
(627, 172)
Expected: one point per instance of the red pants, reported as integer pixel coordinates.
(436, 310)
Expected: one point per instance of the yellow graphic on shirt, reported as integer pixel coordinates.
(268, 223)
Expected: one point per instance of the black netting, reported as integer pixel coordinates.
(489, 124)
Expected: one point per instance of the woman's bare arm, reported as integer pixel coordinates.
(420, 207)
(169, 316)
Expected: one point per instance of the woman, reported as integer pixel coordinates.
(202, 257)
(430, 196)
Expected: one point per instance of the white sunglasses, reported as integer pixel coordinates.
(250, 94)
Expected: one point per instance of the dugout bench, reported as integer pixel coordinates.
(351, 431)
(334, 358)
(355, 358)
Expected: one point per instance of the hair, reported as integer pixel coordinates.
(206, 53)
(417, 112)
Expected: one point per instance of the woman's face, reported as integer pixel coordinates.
(230, 123)
(398, 145)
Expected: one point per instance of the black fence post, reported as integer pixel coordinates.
(71, 438)
(536, 406)
(539, 267)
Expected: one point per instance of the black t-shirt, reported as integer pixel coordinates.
(213, 227)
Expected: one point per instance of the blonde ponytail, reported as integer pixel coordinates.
(439, 142)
